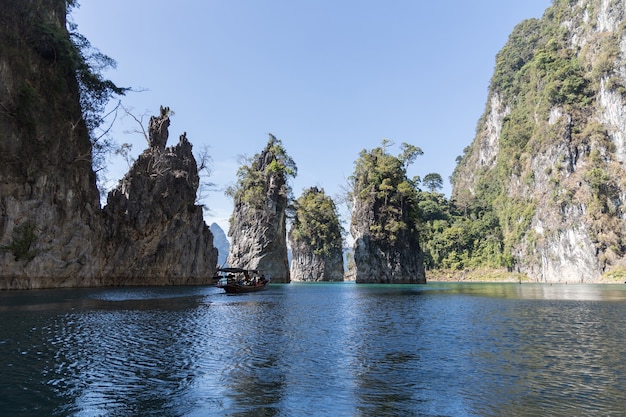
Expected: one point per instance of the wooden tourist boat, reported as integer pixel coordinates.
(239, 280)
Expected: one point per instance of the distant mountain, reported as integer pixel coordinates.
(221, 243)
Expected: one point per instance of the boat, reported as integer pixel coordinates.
(240, 280)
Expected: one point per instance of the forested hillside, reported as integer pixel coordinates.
(542, 184)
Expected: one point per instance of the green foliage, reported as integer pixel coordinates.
(316, 223)
(604, 193)
(537, 64)
(409, 153)
(433, 182)
(517, 52)
(23, 239)
(95, 90)
(380, 181)
(599, 181)
(616, 274)
(265, 173)
(282, 163)
(454, 239)
(515, 216)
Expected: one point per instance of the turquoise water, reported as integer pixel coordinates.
(342, 349)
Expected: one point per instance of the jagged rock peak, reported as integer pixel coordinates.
(258, 223)
(152, 214)
(158, 128)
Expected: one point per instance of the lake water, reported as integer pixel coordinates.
(342, 349)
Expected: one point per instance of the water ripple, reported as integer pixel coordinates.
(309, 350)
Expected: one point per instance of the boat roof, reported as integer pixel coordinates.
(237, 270)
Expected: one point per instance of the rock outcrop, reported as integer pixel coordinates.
(315, 239)
(53, 232)
(154, 230)
(384, 229)
(258, 229)
(50, 223)
(549, 151)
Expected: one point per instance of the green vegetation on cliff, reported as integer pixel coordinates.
(316, 223)
(380, 180)
(552, 156)
(37, 32)
(264, 174)
(385, 217)
(455, 239)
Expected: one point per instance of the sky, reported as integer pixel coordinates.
(328, 78)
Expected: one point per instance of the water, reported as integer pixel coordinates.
(316, 350)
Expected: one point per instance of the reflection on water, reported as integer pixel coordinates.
(444, 349)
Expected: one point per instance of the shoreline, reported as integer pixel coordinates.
(503, 276)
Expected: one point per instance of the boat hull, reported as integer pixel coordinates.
(242, 289)
(239, 280)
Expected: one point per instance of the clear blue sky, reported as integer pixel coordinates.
(327, 77)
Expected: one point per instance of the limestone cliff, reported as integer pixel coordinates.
(549, 151)
(50, 225)
(258, 227)
(384, 221)
(315, 239)
(52, 230)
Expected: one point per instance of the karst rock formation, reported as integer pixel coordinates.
(53, 232)
(154, 229)
(258, 225)
(386, 236)
(315, 239)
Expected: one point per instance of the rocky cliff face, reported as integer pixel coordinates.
(549, 151)
(52, 230)
(378, 262)
(50, 225)
(306, 265)
(258, 226)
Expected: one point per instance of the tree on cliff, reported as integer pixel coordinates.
(95, 90)
(385, 217)
(433, 182)
(316, 238)
(258, 223)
